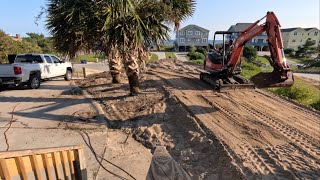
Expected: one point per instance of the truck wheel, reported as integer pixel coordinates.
(4, 86)
(68, 75)
(34, 82)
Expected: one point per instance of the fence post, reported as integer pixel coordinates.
(84, 72)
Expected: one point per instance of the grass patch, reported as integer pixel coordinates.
(249, 69)
(88, 57)
(303, 92)
(152, 58)
(198, 61)
(168, 48)
(263, 60)
(170, 55)
(299, 60)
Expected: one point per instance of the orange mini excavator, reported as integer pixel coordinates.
(224, 67)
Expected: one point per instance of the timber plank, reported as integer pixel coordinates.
(35, 167)
(47, 166)
(4, 169)
(56, 164)
(21, 168)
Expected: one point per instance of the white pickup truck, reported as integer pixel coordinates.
(30, 69)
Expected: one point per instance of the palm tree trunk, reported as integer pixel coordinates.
(132, 70)
(115, 67)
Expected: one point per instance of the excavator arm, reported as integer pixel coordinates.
(282, 75)
(272, 28)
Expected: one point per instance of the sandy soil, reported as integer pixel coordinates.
(238, 135)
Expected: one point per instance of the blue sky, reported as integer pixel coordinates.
(18, 16)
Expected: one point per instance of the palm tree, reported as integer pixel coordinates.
(120, 28)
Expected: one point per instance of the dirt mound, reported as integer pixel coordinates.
(252, 135)
(156, 118)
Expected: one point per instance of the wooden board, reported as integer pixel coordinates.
(35, 161)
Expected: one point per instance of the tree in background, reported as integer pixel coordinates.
(249, 52)
(307, 49)
(289, 51)
(45, 43)
(9, 46)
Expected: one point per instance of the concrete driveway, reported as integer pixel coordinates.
(93, 66)
(181, 55)
(55, 115)
(160, 54)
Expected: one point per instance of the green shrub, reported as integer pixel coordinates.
(316, 105)
(250, 52)
(196, 55)
(289, 51)
(202, 50)
(193, 49)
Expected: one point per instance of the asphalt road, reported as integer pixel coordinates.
(315, 77)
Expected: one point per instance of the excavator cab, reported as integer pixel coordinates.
(216, 64)
(217, 59)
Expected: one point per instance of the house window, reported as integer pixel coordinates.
(182, 40)
(295, 33)
(204, 34)
(293, 40)
(190, 32)
(182, 33)
(316, 33)
(197, 33)
(204, 40)
(189, 39)
(265, 40)
(253, 40)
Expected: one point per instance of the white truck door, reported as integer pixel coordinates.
(60, 67)
(48, 68)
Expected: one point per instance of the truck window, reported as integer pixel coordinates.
(28, 59)
(48, 59)
(55, 60)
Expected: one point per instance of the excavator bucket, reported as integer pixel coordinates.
(272, 79)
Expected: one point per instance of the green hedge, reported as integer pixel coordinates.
(195, 55)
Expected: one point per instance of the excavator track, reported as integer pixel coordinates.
(237, 82)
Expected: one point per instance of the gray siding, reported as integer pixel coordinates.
(192, 35)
